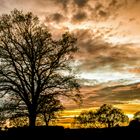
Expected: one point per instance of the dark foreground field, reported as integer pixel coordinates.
(59, 133)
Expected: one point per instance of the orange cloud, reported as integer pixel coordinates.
(135, 70)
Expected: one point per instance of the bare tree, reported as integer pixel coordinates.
(32, 64)
(51, 108)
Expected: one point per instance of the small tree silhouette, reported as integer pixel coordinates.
(111, 116)
(86, 119)
(135, 122)
(137, 116)
(50, 109)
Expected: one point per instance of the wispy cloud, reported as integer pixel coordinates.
(119, 94)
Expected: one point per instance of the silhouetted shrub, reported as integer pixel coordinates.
(135, 123)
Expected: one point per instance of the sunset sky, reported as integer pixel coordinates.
(108, 33)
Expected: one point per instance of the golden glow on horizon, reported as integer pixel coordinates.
(130, 116)
(66, 118)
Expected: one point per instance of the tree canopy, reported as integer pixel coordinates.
(111, 116)
(34, 66)
(86, 119)
(105, 116)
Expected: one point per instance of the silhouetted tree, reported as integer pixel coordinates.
(111, 116)
(135, 122)
(86, 119)
(32, 64)
(50, 109)
(137, 116)
(105, 116)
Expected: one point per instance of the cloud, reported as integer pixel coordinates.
(113, 3)
(2, 4)
(97, 95)
(102, 13)
(63, 3)
(98, 18)
(95, 52)
(135, 70)
(79, 17)
(95, 10)
(81, 3)
(56, 17)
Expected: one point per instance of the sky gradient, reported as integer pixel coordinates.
(108, 33)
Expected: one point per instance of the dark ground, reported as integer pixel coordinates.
(59, 133)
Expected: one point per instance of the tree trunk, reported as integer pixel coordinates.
(46, 119)
(32, 118)
(109, 125)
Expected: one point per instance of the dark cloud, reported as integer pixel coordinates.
(79, 17)
(53, 21)
(81, 3)
(116, 4)
(96, 53)
(99, 12)
(96, 95)
(98, 6)
(117, 58)
(132, 19)
(113, 3)
(57, 17)
(106, 10)
(63, 3)
(102, 13)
